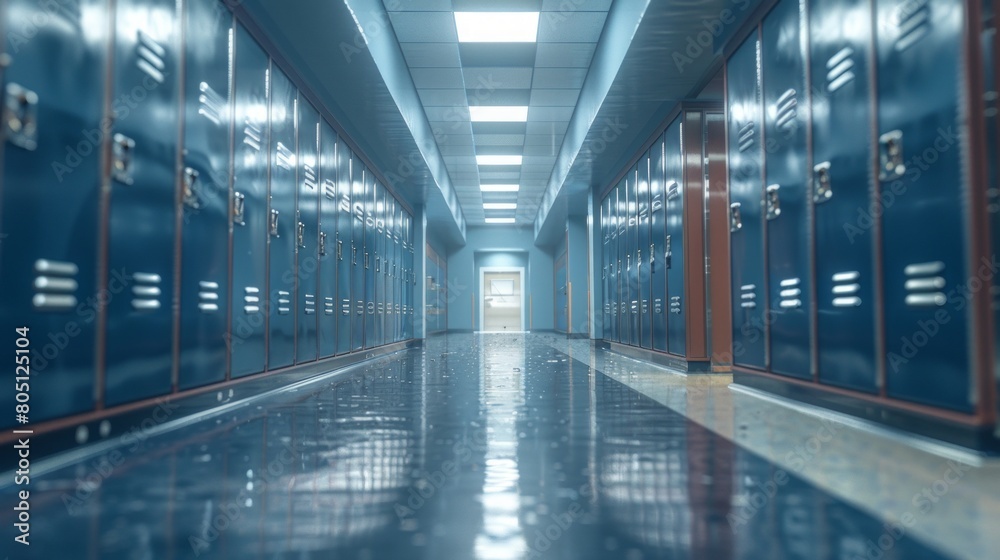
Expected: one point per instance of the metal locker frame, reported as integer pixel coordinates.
(645, 248)
(247, 334)
(329, 244)
(409, 287)
(140, 200)
(658, 259)
(390, 270)
(358, 254)
(50, 204)
(343, 248)
(378, 267)
(204, 194)
(308, 285)
(559, 296)
(371, 235)
(675, 236)
(622, 291)
(633, 255)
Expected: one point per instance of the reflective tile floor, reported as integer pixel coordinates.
(503, 447)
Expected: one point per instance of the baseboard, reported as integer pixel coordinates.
(679, 363)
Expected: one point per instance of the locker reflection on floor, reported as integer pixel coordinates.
(512, 446)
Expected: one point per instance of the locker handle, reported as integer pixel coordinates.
(735, 217)
(668, 255)
(652, 254)
(20, 117)
(354, 254)
(366, 260)
(301, 235)
(890, 147)
(191, 188)
(822, 189)
(773, 199)
(123, 148)
(340, 250)
(322, 243)
(378, 265)
(274, 223)
(239, 209)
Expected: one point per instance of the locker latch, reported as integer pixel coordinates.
(300, 235)
(652, 254)
(340, 250)
(273, 223)
(239, 209)
(354, 254)
(890, 147)
(366, 260)
(123, 148)
(735, 217)
(378, 265)
(190, 188)
(20, 117)
(322, 243)
(822, 189)
(773, 200)
(668, 255)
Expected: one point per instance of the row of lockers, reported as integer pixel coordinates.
(652, 226)
(175, 212)
(858, 207)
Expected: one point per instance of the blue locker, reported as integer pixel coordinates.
(49, 199)
(205, 193)
(281, 223)
(343, 249)
(371, 235)
(673, 241)
(786, 200)
(658, 260)
(308, 289)
(390, 270)
(379, 267)
(633, 256)
(560, 296)
(249, 207)
(746, 193)
(408, 289)
(924, 241)
(621, 292)
(358, 254)
(606, 267)
(331, 263)
(142, 189)
(645, 255)
(840, 42)
(400, 274)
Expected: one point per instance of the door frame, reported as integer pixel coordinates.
(482, 294)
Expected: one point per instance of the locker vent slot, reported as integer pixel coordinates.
(284, 301)
(673, 191)
(285, 157)
(747, 135)
(329, 306)
(786, 109)
(146, 291)
(208, 297)
(55, 285)
(311, 180)
(924, 285)
(790, 294)
(329, 190)
(913, 21)
(846, 289)
(345, 307)
(345, 203)
(252, 135)
(151, 55)
(310, 304)
(251, 300)
(675, 305)
(657, 306)
(657, 205)
(839, 69)
(212, 104)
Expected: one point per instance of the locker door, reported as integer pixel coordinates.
(249, 211)
(658, 261)
(369, 258)
(390, 269)
(331, 264)
(281, 223)
(205, 193)
(379, 271)
(308, 281)
(606, 268)
(632, 184)
(745, 197)
(786, 194)
(623, 262)
(342, 249)
(560, 294)
(410, 277)
(358, 254)
(673, 165)
(142, 189)
(49, 199)
(840, 39)
(923, 239)
(400, 274)
(645, 254)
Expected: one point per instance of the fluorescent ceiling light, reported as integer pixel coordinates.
(499, 206)
(497, 27)
(501, 220)
(499, 160)
(498, 114)
(499, 188)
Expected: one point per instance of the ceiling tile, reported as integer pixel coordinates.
(536, 114)
(442, 97)
(496, 176)
(576, 27)
(554, 97)
(449, 150)
(437, 78)
(565, 55)
(431, 55)
(560, 5)
(497, 54)
(498, 128)
(491, 5)
(543, 140)
(541, 151)
(448, 114)
(550, 128)
(559, 78)
(493, 77)
(425, 27)
(499, 140)
(421, 5)
(506, 97)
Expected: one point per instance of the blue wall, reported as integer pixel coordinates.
(498, 246)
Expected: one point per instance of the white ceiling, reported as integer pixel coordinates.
(545, 76)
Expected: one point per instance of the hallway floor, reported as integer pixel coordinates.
(513, 447)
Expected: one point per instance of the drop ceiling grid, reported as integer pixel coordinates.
(546, 76)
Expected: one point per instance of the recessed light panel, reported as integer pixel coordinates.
(499, 206)
(497, 27)
(500, 188)
(501, 220)
(499, 160)
(487, 113)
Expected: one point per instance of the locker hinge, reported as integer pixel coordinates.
(20, 117)
(735, 217)
(773, 201)
(123, 148)
(890, 146)
(822, 189)
(273, 223)
(322, 243)
(191, 188)
(239, 209)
